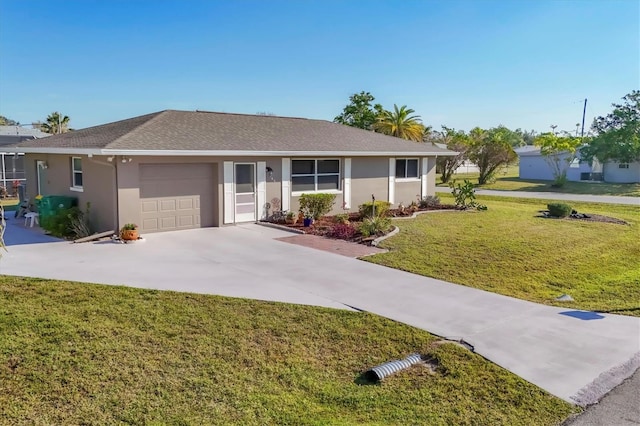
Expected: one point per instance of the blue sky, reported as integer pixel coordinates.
(526, 64)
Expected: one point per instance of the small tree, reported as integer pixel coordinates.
(490, 149)
(558, 152)
(359, 112)
(617, 134)
(455, 140)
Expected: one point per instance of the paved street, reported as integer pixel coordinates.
(609, 199)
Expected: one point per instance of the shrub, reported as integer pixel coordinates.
(316, 205)
(59, 225)
(429, 201)
(375, 225)
(342, 218)
(464, 194)
(559, 209)
(342, 231)
(382, 209)
(80, 226)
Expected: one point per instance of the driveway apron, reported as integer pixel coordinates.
(578, 356)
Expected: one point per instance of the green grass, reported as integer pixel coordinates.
(75, 353)
(507, 180)
(508, 250)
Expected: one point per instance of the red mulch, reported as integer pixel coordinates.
(323, 226)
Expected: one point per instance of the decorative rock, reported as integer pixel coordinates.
(564, 298)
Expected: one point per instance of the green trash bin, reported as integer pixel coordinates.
(49, 205)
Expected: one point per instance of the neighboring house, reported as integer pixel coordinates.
(533, 165)
(12, 164)
(177, 170)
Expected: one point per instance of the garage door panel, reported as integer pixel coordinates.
(168, 205)
(176, 196)
(150, 224)
(149, 206)
(188, 203)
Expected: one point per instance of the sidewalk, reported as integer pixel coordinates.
(609, 199)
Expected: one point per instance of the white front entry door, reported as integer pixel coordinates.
(245, 191)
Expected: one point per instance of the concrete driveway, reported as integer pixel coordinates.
(578, 356)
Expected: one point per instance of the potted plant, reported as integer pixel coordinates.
(129, 232)
(308, 219)
(291, 218)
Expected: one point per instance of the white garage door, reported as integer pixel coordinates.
(177, 196)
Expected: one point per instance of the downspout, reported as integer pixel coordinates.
(111, 164)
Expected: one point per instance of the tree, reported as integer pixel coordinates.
(4, 121)
(490, 149)
(528, 136)
(56, 123)
(558, 152)
(455, 140)
(400, 123)
(617, 134)
(359, 112)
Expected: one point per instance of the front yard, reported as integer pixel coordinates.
(75, 353)
(508, 250)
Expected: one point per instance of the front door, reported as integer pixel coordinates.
(245, 192)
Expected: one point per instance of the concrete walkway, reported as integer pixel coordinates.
(609, 199)
(578, 356)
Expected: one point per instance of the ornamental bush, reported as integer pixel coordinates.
(559, 209)
(342, 231)
(429, 201)
(316, 205)
(375, 226)
(381, 210)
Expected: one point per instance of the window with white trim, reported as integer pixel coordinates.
(407, 168)
(623, 165)
(311, 175)
(76, 172)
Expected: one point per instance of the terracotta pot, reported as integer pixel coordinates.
(129, 234)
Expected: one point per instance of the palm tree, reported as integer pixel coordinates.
(400, 123)
(56, 123)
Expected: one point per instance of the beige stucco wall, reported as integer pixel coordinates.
(369, 175)
(113, 188)
(98, 185)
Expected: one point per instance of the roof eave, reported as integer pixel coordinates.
(222, 153)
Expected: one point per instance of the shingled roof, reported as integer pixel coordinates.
(199, 132)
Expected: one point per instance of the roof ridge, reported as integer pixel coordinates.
(153, 117)
(254, 115)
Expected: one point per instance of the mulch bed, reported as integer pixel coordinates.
(324, 226)
(586, 217)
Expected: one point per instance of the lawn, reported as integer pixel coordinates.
(507, 180)
(508, 250)
(75, 353)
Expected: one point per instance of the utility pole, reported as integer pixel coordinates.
(584, 111)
